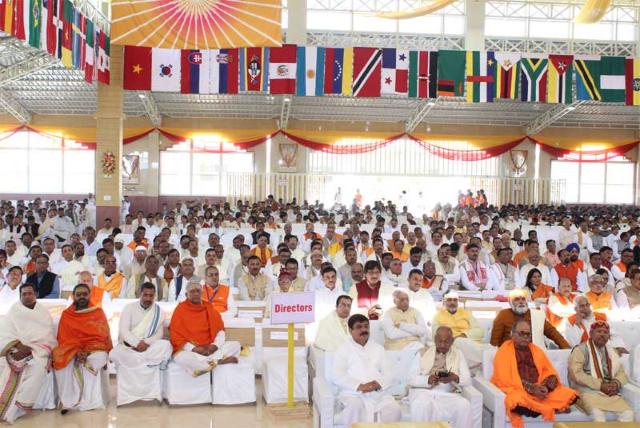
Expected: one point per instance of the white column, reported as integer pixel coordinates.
(297, 22)
(474, 25)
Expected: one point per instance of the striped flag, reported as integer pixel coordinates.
(533, 77)
(451, 73)
(632, 81)
(423, 71)
(338, 71)
(195, 70)
(225, 64)
(612, 79)
(507, 74)
(254, 69)
(588, 78)
(560, 79)
(6, 16)
(481, 68)
(282, 69)
(310, 69)
(367, 72)
(395, 71)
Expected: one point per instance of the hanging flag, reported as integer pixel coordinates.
(6, 16)
(165, 70)
(54, 27)
(224, 71)
(136, 73)
(560, 79)
(533, 77)
(338, 71)
(507, 74)
(67, 33)
(282, 69)
(33, 23)
(632, 81)
(612, 79)
(195, 71)
(367, 71)
(395, 71)
(423, 69)
(103, 61)
(588, 78)
(254, 69)
(89, 68)
(44, 19)
(310, 71)
(451, 68)
(76, 50)
(18, 30)
(481, 69)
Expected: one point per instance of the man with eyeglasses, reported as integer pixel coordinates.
(532, 385)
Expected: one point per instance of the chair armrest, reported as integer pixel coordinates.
(493, 399)
(631, 393)
(323, 401)
(475, 400)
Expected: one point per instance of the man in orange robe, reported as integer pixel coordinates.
(197, 335)
(531, 384)
(83, 348)
(262, 251)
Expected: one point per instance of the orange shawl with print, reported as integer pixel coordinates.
(195, 324)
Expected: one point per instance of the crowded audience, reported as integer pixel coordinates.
(559, 276)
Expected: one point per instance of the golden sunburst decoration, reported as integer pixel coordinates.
(196, 24)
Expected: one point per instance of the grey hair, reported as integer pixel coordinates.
(515, 325)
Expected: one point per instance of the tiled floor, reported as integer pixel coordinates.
(154, 415)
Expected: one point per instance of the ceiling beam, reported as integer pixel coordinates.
(550, 116)
(36, 62)
(150, 107)
(14, 108)
(420, 113)
(284, 112)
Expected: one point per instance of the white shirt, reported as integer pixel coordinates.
(8, 297)
(326, 300)
(131, 316)
(354, 365)
(405, 330)
(499, 279)
(91, 249)
(544, 271)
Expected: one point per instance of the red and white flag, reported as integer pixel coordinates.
(395, 71)
(282, 69)
(367, 72)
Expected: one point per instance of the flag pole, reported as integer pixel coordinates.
(290, 352)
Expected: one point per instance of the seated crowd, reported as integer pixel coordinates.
(369, 267)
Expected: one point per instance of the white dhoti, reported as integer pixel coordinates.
(20, 390)
(401, 360)
(369, 407)
(472, 351)
(84, 387)
(427, 405)
(139, 372)
(197, 364)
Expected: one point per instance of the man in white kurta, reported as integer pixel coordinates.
(141, 352)
(26, 341)
(333, 330)
(436, 376)
(67, 268)
(360, 375)
(327, 296)
(10, 290)
(405, 333)
(420, 298)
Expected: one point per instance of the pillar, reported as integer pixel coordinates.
(109, 122)
(297, 22)
(474, 25)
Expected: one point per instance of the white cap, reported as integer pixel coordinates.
(119, 238)
(141, 248)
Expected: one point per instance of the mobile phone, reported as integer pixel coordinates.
(442, 374)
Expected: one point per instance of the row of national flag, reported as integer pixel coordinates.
(375, 72)
(58, 27)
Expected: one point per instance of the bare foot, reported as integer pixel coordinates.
(228, 360)
(567, 410)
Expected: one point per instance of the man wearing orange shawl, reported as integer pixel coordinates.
(531, 385)
(83, 348)
(262, 251)
(560, 305)
(197, 335)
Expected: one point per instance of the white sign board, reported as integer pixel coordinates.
(288, 308)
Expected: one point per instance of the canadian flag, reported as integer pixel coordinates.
(282, 69)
